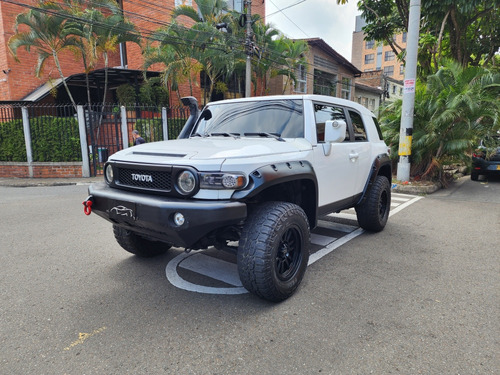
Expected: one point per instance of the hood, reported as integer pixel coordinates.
(214, 149)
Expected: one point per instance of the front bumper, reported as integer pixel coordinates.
(152, 215)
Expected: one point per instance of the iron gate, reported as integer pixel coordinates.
(104, 135)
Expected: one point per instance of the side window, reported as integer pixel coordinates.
(358, 126)
(379, 131)
(323, 113)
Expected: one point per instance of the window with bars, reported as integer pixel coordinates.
(325, 83)
(389, 70)
(301, 74)
(236, 5)
(370, 44)
(346, 88)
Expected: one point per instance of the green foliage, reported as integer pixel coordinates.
(153, 93)
(152, 129)
(12, 146)
(126, 94)
(453, 111)
(53, 139)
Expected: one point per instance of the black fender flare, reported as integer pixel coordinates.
(381, 165)
(278, 173)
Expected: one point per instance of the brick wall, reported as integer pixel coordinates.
(41, 170)
(21, 79)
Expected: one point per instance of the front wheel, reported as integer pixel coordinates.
(374, 211)
(274, 250)
(138, 245)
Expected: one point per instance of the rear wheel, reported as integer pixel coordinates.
(374, 211)
(138, 245)
(474, 176)
(274, 250)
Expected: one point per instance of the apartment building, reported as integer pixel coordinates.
(368, 55)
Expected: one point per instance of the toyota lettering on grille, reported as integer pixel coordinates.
(142, 177)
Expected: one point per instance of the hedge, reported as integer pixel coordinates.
(54, 139)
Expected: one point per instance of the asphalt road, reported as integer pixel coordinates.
(420, 297)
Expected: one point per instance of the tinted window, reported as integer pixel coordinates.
(358, 126)
(324, 113)
(283, 117)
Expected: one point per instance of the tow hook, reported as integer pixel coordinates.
(87, 205)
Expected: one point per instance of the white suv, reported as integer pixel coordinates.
(250, 176)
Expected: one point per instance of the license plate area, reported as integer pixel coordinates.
(122, 211)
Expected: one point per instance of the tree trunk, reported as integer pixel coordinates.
(58, 65)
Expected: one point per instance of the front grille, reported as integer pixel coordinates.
(144, 179)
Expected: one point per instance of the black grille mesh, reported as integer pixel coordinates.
(161, 179)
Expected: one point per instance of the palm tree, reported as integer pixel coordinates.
(210, 47)
(456, 108)
(292, 54)
(265, 38)
(49, 33)
(174, 56)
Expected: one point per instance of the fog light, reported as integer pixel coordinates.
(179, 219)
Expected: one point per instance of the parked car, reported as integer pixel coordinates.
(486, 158)
(255, 171)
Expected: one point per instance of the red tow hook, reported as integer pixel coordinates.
(87, 205)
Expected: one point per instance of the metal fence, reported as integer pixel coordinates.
(55, 136)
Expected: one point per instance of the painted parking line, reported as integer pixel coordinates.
(333, 231)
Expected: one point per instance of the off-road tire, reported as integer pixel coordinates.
(274, 250)
(138, 245)
(374, 211)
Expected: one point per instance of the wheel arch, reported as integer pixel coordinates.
(293, 182)
(381, 166)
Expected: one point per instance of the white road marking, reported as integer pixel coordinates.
(227, 272)
(318, 239)
(214, 268)
(179, 282)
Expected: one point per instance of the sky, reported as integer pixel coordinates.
(315, 19)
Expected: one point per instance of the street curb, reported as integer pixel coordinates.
(40, 182)
(414, 189)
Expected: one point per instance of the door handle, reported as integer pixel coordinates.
(353, 156)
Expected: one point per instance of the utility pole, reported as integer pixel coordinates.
(248, 47)
(406, 132)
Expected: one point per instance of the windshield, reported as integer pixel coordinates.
(283, 118)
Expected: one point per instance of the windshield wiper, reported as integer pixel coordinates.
(198, 135)
(234, 135)
(269, 135)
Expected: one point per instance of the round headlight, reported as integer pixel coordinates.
(109, 173)
(186, 182)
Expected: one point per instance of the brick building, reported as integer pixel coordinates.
(17, 78)
(326, 73)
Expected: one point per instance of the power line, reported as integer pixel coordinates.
(288, 18)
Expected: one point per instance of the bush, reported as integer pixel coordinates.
(53, 139)
(12, 145)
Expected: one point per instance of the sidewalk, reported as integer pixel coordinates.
(33, 182)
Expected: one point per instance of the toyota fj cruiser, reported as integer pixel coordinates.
(250, 176)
